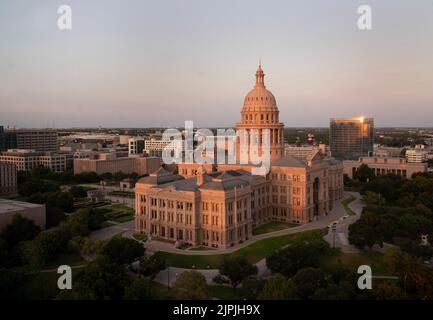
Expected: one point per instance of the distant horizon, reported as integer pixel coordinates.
(164, 62)
(177, 127)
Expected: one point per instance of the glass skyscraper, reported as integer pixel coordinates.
(351, 138)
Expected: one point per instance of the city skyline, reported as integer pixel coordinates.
(144, 64)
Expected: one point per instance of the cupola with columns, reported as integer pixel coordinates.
(260, 112)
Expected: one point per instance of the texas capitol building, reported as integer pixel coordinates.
(218, 205)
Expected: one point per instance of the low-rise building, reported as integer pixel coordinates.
(302, 152)
(32, 211)
(136, 145)
(383, 151)
(384, 165)
(112, 163)
(155, 147)
(8, 178)
(26, 160)
(127, 184)
(416, 155)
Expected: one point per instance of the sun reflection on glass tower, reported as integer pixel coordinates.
(351, 138)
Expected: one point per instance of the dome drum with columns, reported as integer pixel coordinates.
(260, 112)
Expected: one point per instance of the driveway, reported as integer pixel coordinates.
(107, 233)
(340, 237)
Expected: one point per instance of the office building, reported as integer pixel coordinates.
(8, 178)
(135, 145)
(8, 140)
(36, 139)
(351, 138)
(26, 160)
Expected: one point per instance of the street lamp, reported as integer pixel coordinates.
(334, 229)
(168, 277)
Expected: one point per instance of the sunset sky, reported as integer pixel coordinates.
(139, 63)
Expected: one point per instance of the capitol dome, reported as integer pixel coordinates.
(259, 98)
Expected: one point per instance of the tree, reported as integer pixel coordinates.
(42, 172)
(62, 200)
(415, 249)
(20, 229)
(54, 216)
(84, 220)
(78, 223)
(78, 192)
(101, 279)
(415, 279)
(29, 187)
(4, 252)
(123, 250)
(191, 285)
(364, 173)
(308, 280)
(106, 176)
(118, 176)
(411, 225)
(372, 198)
(251, 288)
(12, 285)
(388, 291)
(278, 288)
(363, 235)
(150, 266)
(45, 247)
(87, 177)
(237, 269)
(289, 260)
(140, 289)
(387, 186)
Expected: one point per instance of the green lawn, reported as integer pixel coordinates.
(161, 292)
(201, 248)
(124, 194)
(107, 224)
(119, 206)
(273, 226)
(118, 212)
(224, 293)
(139, 236)
(42, 286)
(345, 204)
(70, 259)
(253, 253)
(353, 260)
